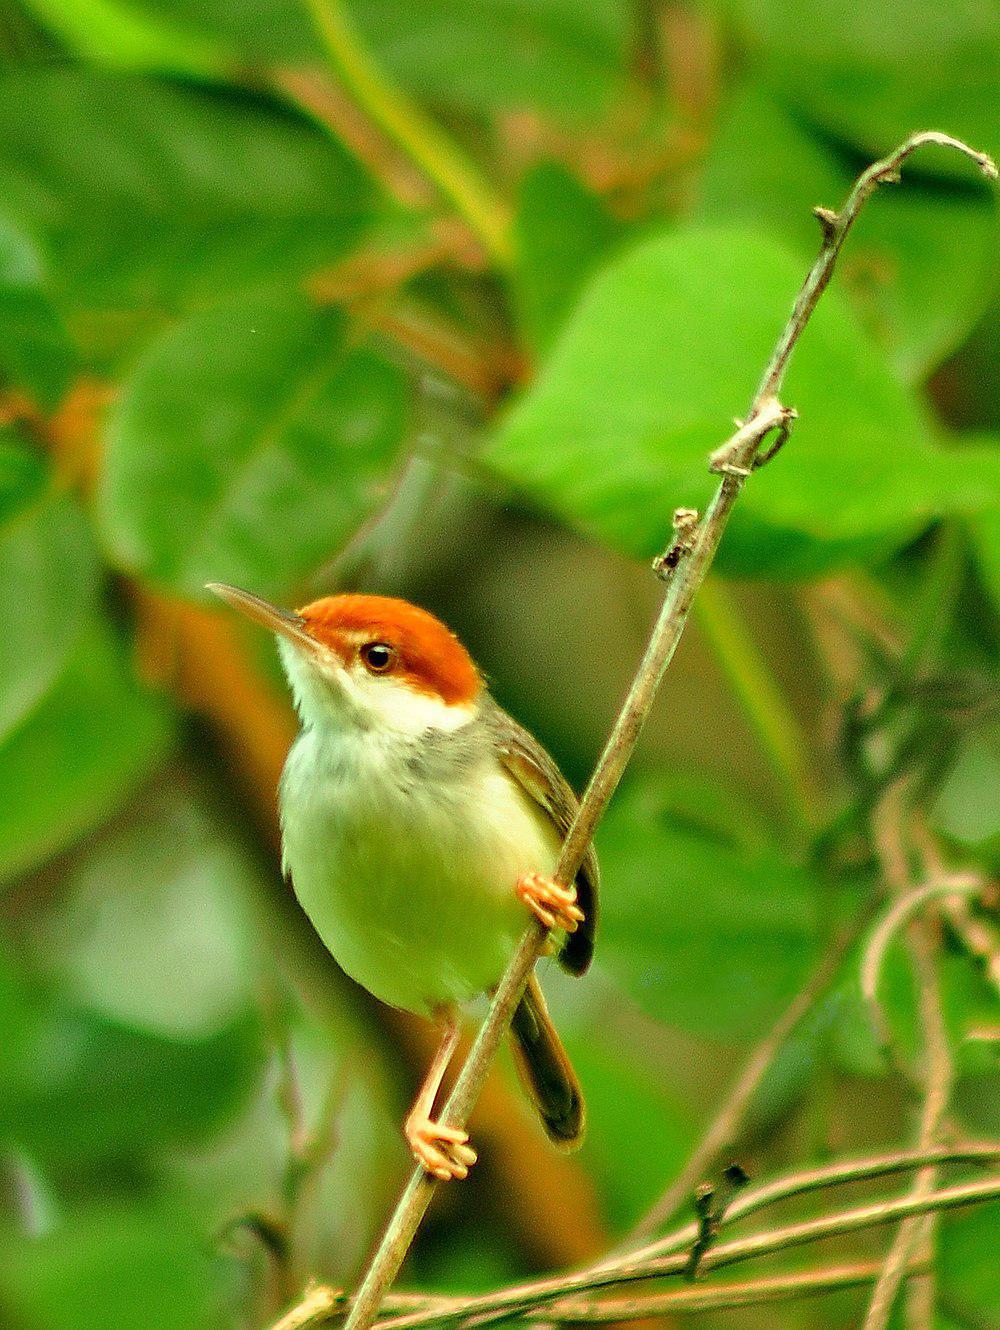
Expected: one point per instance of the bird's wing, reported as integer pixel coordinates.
(537, 774)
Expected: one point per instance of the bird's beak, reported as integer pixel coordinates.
(283, 622)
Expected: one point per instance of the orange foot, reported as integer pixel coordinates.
(443, 1151)
(554, 904)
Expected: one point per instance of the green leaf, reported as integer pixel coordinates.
(969, 1269)
(93, 740)
(670, 340)
(94, 1091)
(966, 808)
(705, 935)
(562, 57)
(872, 74)
(174, 954)
(35, 351)
(967, 1001)
(914, 289)
(122, 37)
(984, 526)
(565, 57)
(562, 232)
(48, 582)
(112, 1264)
(151, 195)
(77, 1089)
(627, 1103)
(248, 444)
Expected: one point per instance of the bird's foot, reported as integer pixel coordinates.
(443, 1151)
(551, 902)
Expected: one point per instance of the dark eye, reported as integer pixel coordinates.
(378, 656)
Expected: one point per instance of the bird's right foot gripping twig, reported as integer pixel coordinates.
(550, 902)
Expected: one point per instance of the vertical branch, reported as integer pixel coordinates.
(734, 461)
(937, 1075)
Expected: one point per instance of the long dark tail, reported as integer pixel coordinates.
(545, 1070)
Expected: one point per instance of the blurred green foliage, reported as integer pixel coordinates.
(244, 337)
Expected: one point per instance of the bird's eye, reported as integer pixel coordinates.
(378, 656)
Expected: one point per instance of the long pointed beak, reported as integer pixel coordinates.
(283, 622)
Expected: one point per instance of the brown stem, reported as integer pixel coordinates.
(889, 825)
(752, 1292)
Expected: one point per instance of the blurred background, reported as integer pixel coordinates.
(450, 301)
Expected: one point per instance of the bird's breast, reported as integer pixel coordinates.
(406, 860)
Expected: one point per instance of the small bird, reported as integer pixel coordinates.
(418, 821)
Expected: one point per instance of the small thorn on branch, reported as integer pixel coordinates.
(828, 220)
(685, 525)
(711, 1203)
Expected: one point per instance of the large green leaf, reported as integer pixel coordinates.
(874, 73)
(149, 194)
(706, 935)
(35, 351)
(77, 1088)
(969, 1269)
(915, 290)
(48, 580)
(91, 1090)
(247, 445)
(123, 37)
(665, 345)
(984, 526)
(565, 57)
(174, 954)
(561, 56)
(627, 1102)
(93, 739)
(112, 1263)
(562, 232)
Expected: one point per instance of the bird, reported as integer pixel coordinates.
(421, 826)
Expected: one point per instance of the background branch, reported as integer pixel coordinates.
(937, 1073)
(548, 1294)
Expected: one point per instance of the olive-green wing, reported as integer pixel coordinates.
(537, 774)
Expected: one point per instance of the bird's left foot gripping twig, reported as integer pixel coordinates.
(550, 902)
(442, 1151)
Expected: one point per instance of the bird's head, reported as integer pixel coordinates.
(372, 661)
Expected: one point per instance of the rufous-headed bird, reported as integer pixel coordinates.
(418, 821)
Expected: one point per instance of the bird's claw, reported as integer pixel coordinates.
(442, 1151)
(552, 903)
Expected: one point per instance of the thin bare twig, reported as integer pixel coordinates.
(888, 927)
(551, 1294)
(749, 1293)
(420, 1309)
(890, 822)
(766, 417)
(976, 935)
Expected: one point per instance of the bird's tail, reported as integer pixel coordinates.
(545, 1069)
